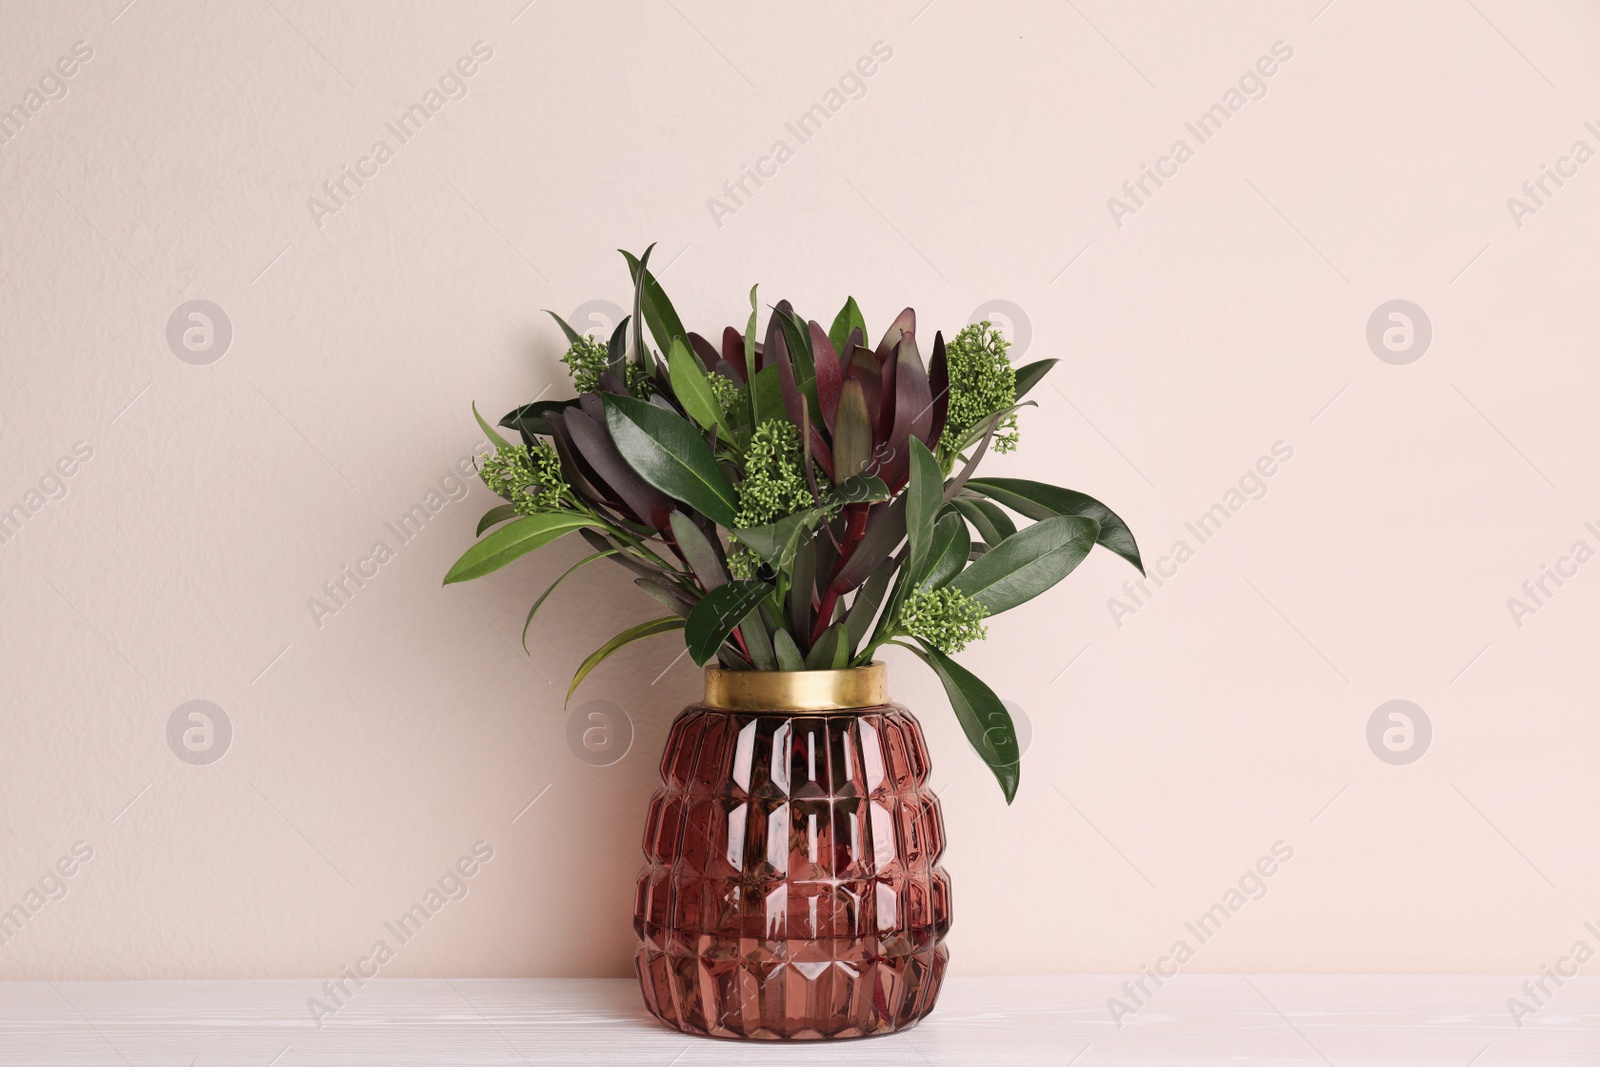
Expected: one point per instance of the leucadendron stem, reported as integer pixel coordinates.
(855, 529)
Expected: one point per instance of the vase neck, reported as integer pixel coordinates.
(854, 687)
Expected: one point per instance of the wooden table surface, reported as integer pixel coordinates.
(1234, 1020)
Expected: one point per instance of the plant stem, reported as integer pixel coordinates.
(891, 603)
(855, 529)
(638, 547)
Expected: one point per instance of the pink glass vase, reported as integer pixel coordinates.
(791, 887)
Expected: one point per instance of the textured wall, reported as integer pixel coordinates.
(186, 491)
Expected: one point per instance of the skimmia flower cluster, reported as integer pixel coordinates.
(793, 498)
(773, 486)
(527, 476)
(982, 382)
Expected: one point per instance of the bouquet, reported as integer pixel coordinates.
(793, 499)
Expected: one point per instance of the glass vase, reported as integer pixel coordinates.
(791, 889)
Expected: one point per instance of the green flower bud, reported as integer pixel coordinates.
(725, 390)
(529, 479)
(774, 483)
(945, 618)
(743, 562)
(588, 358)
(981, 383)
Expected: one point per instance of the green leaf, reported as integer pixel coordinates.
(990, 520)
(702, 557)
(750, 363)
(849, 318)
(982, 716)
(537, 604)
(693, 389)
(529, 418)
(636, 354)
(754, 630)
(951, 547)
(1030, 374)
(776, 540)
(997, 518)
(771, 614)
(981, 521)
(495, 516)
(832, 652)
(788, 653)
(797, 336)
(802, 582)
(766, 391)
(665, 326)
(923, 496)
(626, 637)
(1021, 567)
(668, 595)
(841, 651)
(489, 431)
(864, 608)
(858, 489)
(511, 542)
(1038, 500)
(669, 453)
(617, 350)
(573, 336)
(779, 542)
(718, 613)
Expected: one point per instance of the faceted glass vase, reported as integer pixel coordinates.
(791, 887)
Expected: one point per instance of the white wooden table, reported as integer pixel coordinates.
(1267, 1019)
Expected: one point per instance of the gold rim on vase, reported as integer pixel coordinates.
(791, 691)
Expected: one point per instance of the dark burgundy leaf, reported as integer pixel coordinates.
(853, 436)
(939, 382)
(863, 367)
(911, 413)
(529, 418)
(603, 543)
(885, 530)
(914, 393)
(593, 440)
(703, 350)
(886, 378)
(777, 351)
(821, 454)
(871, 397)
(733, 353)
(577, 471)
(827, 552)
(830, 376)
(904, 323)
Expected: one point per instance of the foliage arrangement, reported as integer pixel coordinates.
(793, 499)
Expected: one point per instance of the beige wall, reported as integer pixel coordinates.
(1217, 320)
